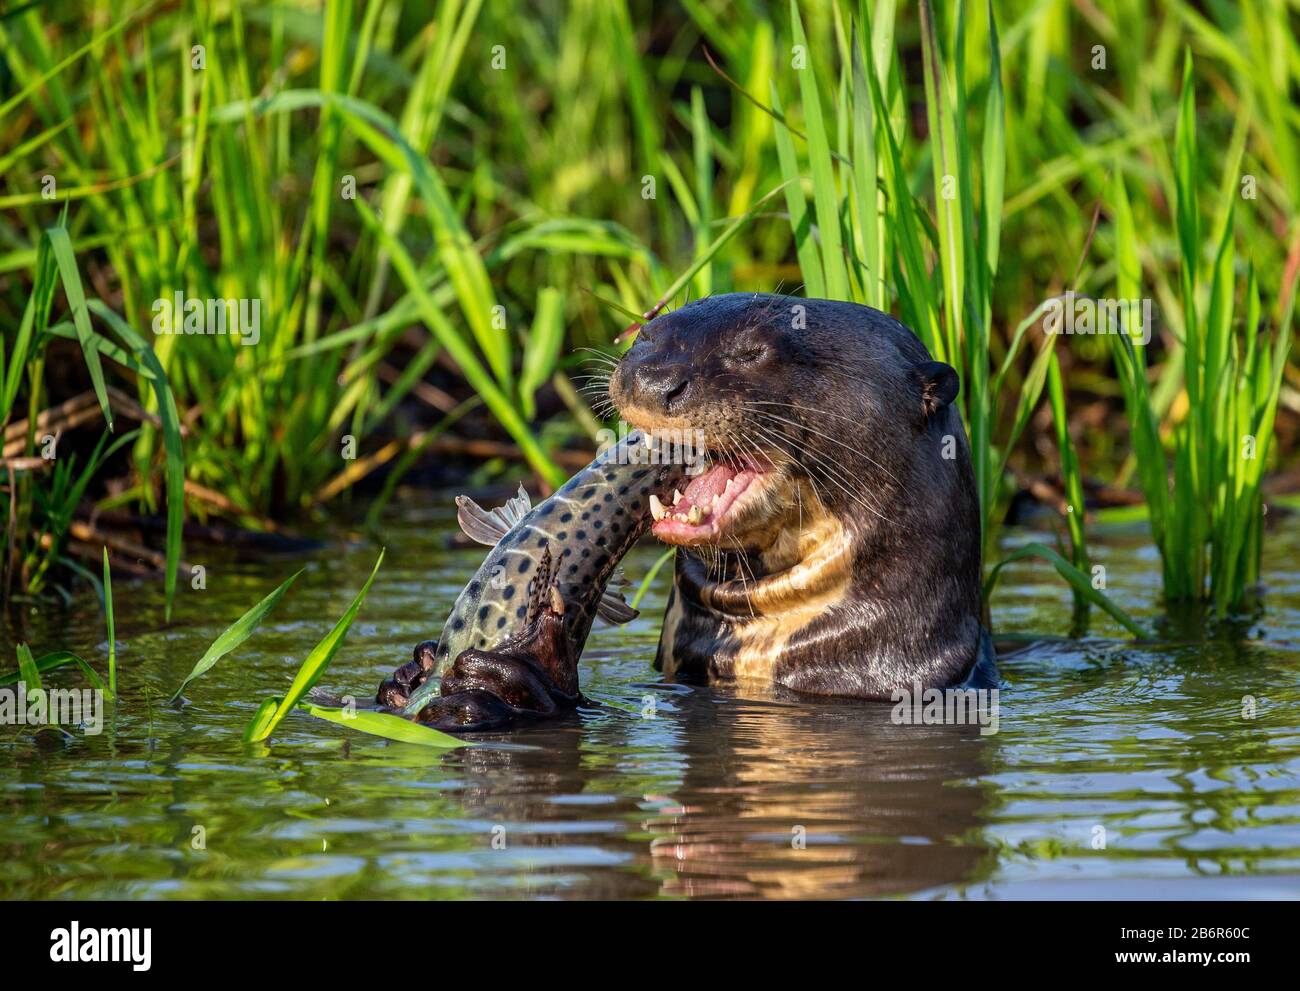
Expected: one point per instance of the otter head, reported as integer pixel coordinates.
(802, 407)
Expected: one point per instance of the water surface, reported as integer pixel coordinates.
(1117, 771)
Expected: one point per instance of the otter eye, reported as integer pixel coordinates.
(749, 353)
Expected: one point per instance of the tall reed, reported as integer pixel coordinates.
(1208, 524)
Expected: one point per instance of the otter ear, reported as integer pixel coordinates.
(939, 385)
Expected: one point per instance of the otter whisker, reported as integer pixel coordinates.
(600, 405)
(744, 582)
(830, 472)
(845, 482)
(598, 354)
(833, 440)
(833, 465)
(733, 451)
(593, 387)
(805, 409)
(798, 498)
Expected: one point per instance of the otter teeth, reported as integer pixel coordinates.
(695, 516)
(657, 509)
(677, 496)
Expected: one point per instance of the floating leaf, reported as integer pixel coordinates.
(382, 724)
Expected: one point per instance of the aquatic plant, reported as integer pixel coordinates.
(236, 633)
(1208, 524)
(39, 512)
(411, 192)
(870, 239)
(272, 711)
(110, 624)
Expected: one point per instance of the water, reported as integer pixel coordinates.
(1115, 772)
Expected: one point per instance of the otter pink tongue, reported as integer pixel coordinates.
(701, 512)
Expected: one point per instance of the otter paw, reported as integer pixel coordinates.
(516, 682)
(467, 712)
(395, 691)
(531, 675)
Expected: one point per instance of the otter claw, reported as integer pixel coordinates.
(396, 691)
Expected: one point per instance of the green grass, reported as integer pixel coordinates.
(235, 634)
(111, 627)
(46, 490)
(876, 241)
(313, 667)
(945, 163)
(1208, 526)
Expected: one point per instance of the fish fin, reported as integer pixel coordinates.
(613, 608)
(489, 526)
(516, 508)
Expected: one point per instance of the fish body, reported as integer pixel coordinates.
(572, 541)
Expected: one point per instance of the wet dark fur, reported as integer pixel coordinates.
(912, 606)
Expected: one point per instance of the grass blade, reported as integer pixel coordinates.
(810, 263)
(1078, 581)
(386, 726)
(825, 196)
(52, 661)
(312, 668)
(258, 727)
(172, 443)
(649, 578)
(542, 348)
(67, 262)
(464, 355)
(108, 619)
(28, 673)
(234, 635)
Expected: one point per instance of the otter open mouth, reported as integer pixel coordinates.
(709, 504)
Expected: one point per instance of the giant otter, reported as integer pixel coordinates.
(833, 546)
(829, 530)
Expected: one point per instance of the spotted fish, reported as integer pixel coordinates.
(574, 540)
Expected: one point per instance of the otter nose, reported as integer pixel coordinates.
(661, 385)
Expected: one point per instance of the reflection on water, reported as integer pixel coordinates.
(1116, 771)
